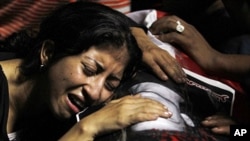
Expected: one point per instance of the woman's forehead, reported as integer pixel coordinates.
(120, 54)
(107, 55)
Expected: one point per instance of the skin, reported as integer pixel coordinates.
(162, 63)
(218, 124)
(91, 77)
(231, 66)
(193, 43)
(137, 110)
(157, 59)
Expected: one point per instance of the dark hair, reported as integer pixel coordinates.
(76, 27)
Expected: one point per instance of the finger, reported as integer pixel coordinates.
(164, 66)
(150, 113)
(158, 71)
(141, 109)
(214, 117)
(214, 122)
(139, 101)
(167, 24)
(126, 97)
(146, 104)
(223, 130)
(163, 25)
(154, 107)
(172, 68)
(137, 95)
(174, 37)
(221, 118)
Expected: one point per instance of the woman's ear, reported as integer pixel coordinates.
(47, 51)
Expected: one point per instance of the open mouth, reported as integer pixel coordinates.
(76, 101)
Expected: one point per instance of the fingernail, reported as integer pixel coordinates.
(180, 80)
(184, 79)
(169, 114)
(164, 77)
(208, 118)
(205, 121)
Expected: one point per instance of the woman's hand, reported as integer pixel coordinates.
(116, 115)
(219, 124)
(159, 60)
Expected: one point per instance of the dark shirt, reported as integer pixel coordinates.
(4, 97)
(4, 106)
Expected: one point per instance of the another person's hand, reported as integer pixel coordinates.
(231, 66)
(116, 115)
(219, 124)
(190, 40)
(159, 60)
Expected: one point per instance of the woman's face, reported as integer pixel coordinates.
(85, 79)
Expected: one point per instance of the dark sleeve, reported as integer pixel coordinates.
(4, 106)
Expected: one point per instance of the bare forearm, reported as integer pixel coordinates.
(232, 66)
(141, 38)
(81, 131)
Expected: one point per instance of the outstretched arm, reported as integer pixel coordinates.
(116, 115)
(193, 43)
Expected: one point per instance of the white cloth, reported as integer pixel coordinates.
(156, 91)
(167, 97)
(147, 17)
(13, 136)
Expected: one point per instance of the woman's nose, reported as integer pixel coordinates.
(95, 89)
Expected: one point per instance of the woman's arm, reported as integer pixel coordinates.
(116, 115)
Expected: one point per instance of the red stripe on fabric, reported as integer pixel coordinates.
(31, 11)
(112, 2)
(116, 6)
(13, 6)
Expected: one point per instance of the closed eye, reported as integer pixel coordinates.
(89, 71)
(112, 83)
(110, 86)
